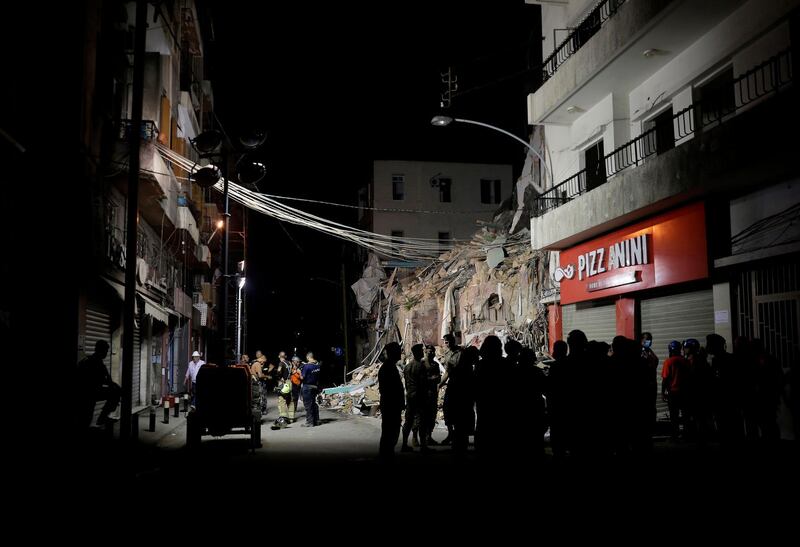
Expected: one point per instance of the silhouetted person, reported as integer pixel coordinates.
(769, 385)
(392, 399)
(434, 376)
(491, 402)
(416, 400)
(95, 384)
(727, 389)
(528, 443)
(579, 388)
(651, 360)
(558, 387)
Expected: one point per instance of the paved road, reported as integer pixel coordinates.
(337, 462)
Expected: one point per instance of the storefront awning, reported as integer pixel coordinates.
(156, 311)
(151, 308)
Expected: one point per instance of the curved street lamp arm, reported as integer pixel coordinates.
(527, 145)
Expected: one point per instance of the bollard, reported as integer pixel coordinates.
(166, 411)
(135, 427)
(186, 403)
(152, 427)
(177, 412)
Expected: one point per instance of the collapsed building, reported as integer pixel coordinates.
(491, 285)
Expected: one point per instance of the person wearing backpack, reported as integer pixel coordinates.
(284, 389)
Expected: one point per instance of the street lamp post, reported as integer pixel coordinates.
(242, 282)
(209, 145)
(442, 121)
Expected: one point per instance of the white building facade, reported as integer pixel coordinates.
(675, 197)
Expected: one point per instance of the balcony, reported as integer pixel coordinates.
(579, 36)
(621, 48)
(708, 155)
(158, 187)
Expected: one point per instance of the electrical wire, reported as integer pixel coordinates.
(396, 247)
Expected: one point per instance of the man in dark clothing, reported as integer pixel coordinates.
(309, 374)
(392, 399)
(434, 376)
(95, 384)
(416, 400)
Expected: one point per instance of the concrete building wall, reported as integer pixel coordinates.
(745, 38)
(458, 217)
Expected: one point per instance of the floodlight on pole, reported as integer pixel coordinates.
(210, 145)
(442, 121)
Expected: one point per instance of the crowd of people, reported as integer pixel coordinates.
(596, 399)
(293, 380)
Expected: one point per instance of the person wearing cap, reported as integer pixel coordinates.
(191, 375)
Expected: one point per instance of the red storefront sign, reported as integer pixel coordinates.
(662, 250)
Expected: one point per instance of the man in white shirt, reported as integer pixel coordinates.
(191, 374)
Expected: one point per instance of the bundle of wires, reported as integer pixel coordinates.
(406, 248)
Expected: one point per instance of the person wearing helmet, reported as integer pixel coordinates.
(673, 375)
(191, 375)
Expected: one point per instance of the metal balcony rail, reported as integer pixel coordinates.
(581, 34)
(713, 109)
(148, 130)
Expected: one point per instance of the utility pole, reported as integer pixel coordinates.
(132, 225)
(344, 324)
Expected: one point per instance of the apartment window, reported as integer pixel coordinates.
(398, 187)
(717, 97)
(595, 165)
(490, 190)
(661, 136)
(444, 240)
(444, 190)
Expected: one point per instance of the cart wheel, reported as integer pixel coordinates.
(193, 431)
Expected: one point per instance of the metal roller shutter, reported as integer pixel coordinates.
(137, 363)
(597, 322)
(98, 327)
(677, 317)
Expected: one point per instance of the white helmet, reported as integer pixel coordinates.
(196, 354)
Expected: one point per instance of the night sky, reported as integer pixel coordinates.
(336, 87)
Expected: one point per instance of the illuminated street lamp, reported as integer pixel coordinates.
(442, 121)
(242, 281)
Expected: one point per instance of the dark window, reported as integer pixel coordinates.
(490, 190)
(595, 166)
(661, 136)
(398, 187)
(486, 191)
(444, 190)
(717, 97)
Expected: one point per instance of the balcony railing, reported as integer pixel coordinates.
(579, 36)
(148, 131)
(715, 108)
